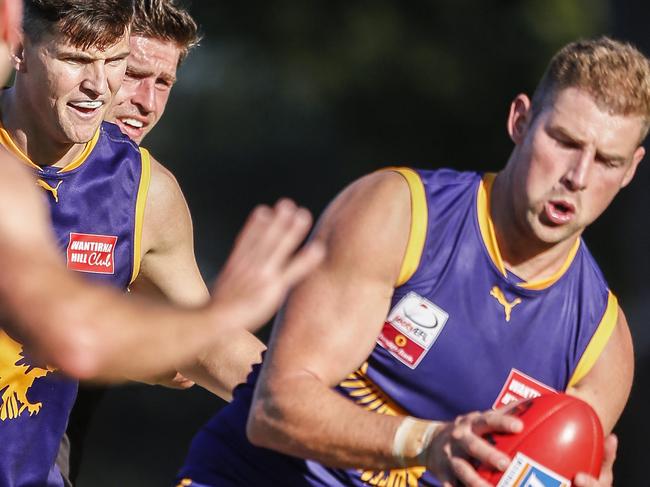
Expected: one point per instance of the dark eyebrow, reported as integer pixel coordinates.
(79, 55)
(84, 56)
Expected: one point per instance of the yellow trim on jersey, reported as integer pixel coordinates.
(10, 145)
(489, 238)
(485, 221)
(90, 145)
(140, 204)
(419, 223)
(544, 283)
(598, 341)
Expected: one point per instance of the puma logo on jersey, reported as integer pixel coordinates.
(501, 298)
(52, 189)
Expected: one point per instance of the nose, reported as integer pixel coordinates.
(577, 173)
(144, 96)
(95, 80)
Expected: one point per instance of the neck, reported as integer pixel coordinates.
(521, 251)
(31, 135)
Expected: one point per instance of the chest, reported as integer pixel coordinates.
(458, 331)
(93, 214)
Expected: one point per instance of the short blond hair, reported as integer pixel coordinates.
(614, 73)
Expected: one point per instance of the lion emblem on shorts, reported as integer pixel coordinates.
(17, 375)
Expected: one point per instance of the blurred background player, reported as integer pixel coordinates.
(162, 34)
(439, 288)
(86, 330)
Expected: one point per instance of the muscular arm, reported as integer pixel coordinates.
(94, 332)
(169, 269)
(607, 385)
(327, 329)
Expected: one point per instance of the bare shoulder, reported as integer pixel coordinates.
(164, 191)
(165, 204)
(622, 335)
(381, 196)
(622, 348)
(369, 222)
(607, 385)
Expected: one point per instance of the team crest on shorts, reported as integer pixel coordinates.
(520, 386)
(525, 472)
(92, 253)
(411, 328)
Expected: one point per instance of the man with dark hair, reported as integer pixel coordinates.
(443, 293)
(162, 34)
(52, 123)
(85, 26)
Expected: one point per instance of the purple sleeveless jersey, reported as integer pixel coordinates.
(463, 334)
(96, 205)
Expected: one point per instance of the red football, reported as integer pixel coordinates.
(561, 433)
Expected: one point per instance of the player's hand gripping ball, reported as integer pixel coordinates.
(562, 436)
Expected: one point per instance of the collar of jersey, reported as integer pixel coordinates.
(8, 143)
(489, 238)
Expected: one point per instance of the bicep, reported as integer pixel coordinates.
(607, 385)
(331, 321)
(168, 265)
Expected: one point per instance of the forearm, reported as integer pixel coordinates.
(226, 363)
(304, 418)
(152, 339)
(94, 332)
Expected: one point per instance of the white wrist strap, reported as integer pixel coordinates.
(426, 441)
(404, 436)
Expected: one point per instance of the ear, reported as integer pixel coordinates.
(519, 118)
(636, 159)
(18, 57)
(10, 27)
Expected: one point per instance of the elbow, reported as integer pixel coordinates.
(267, 420)
(259, 423)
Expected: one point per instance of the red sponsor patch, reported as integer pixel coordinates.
(92, 253)
(411, 328)
(399, 345)
(520, 386)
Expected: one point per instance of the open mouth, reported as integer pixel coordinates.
(86, 107)
(132, 123)
(559, 212)
(132, 127)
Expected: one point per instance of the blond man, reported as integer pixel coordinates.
(442, 292)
